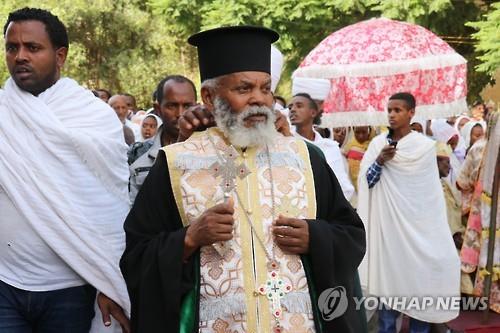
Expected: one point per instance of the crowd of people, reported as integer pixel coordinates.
(234, 214)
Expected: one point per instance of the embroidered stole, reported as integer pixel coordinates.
(228, 301)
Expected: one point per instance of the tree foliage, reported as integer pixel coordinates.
(489, 40)
(128, 45)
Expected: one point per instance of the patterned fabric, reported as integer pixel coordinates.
(469, 174)
(475, 248)
(373, 174)
(368, 61)
(354, 151)
(230, 272)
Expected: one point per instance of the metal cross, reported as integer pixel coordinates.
(228, 170)
(275, 289)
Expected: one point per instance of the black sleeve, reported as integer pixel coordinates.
(337, 241)
(152, 265)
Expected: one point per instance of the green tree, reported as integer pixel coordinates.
(128, 45)
(488, 36)
(302, 24)
(119, 45)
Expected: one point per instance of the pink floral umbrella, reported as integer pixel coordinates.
(369, 61)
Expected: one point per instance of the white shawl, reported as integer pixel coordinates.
(410, 251)
(63, 164)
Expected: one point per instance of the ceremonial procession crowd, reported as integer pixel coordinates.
(235, 213)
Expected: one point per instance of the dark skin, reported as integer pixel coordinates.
(399, 120)
(240, 90)
(198, 118)
(33, 62)
(444, 169)
(339, 134)
(361, 133)
(35, 65)
(417, 127)
(177, 98)
(302, 116)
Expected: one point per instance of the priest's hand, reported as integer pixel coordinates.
(196, 118)
(282, 124)
(386, 154)
(291, 235)
(214, 225)
(109, 308)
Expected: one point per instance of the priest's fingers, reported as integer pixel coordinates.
(223, 237)
(289, 241)
(224, 208)
(293, 249)
(298, 233)
(221, 228)
(290, 221)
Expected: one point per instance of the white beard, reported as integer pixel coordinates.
(232, 125)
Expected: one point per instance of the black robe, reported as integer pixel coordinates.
(158, 279)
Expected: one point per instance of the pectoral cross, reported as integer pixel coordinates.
(275, 289)
(228, 170)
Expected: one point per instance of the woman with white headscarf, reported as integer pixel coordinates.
(149, 126)
(447, 134)
(472, 132)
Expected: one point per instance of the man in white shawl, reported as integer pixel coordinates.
(63, 190)
(410, 253)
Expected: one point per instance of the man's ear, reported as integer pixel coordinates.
(208, 98)
(156, 107)
(412, 113)
(314, 112)
(61, 54)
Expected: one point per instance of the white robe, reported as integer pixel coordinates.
(63, 165)
(335, 160)
(410, 251)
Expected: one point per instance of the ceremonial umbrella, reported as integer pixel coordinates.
(369, 61)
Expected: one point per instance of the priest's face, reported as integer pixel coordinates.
(242, 107)
(33, 62)
(246, 89)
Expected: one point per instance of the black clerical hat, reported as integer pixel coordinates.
(229, 50)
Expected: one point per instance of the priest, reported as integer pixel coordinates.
(239, 228)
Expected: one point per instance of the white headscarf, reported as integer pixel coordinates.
(158, 124)
(467, 129)
(457, 121)
(442, 131)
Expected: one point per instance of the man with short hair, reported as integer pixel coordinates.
(131, 131)
(174, 95)
(131, 103)
(410, 254)
(233, 228)
(303, 111)
(63, 189)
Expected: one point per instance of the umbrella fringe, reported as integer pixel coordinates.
(379, 118)
(387, 68)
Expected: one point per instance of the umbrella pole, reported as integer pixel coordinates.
(491, 239)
